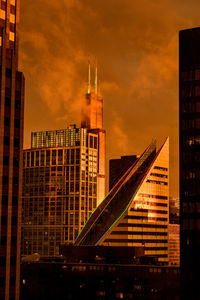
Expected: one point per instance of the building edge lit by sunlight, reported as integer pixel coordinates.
(136, 210)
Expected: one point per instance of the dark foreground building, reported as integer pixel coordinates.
(63, 280)
(11, 142)
(189, 107)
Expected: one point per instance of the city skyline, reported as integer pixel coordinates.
(141, 55)
(137, 65)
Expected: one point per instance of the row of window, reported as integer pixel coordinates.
(148, 203)
(139, 233)
(146, 218)
(191, 75)
(191, 91)
(191, 107)
(191, 123)
(64, 138)
(143, 241)
(191, 173)
(57, 157)
(142, 225)
(160, 168)
(150, 211)
(157, 182)
(56, 138)
(192, 140)
(191, 157)
(153, 196)
(159, 175)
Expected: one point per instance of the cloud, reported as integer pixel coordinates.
(136, 46)
(119, 134)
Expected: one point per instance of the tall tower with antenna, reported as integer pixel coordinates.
(92, 119)
(92, 106)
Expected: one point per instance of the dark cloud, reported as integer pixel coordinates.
(136, 46)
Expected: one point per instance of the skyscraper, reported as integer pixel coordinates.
(136, 211)
(11, 142)
(189, 130)
(92, 119)
(60, 189)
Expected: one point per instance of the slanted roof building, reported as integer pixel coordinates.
(136, 211)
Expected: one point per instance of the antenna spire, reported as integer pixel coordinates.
(96, 80)
(89, 79)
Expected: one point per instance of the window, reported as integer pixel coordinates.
(192, 140)
(95, 142)
(72, 156)
(32, 159)
(60, 157)
(76, 203)
(188, 91)
(48, 157)
(71, 203)
(37, 158)
(197, 91)
(76, 218)
(91, 142)
(53, 157)
(197, 74)
(42, 158)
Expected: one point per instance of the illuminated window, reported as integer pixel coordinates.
(12, 18)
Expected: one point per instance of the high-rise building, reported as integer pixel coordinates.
(117, 168)
(92, 119)
(136, 211)
(60, 188)
(11, 142)
(189, 130)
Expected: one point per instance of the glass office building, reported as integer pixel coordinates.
(60, 188)
(136, 210)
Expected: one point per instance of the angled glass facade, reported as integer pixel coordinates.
(136, 210)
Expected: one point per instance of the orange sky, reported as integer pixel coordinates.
(136, 46)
